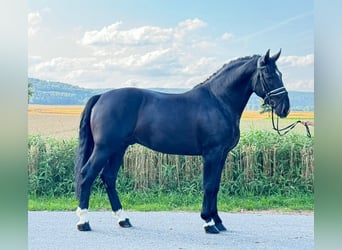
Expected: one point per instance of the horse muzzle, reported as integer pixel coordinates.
(281, 107)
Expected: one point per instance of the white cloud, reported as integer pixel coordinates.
(227, 36)
(113, 35)
(34, 20)
(62, 69)
(192, 24)
(200, 66)
(148, 51)
(298, 72)
(296, 61)
(147, 56)
(301, 85)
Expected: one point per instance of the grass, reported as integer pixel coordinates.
(172, 201)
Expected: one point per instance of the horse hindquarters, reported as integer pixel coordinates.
(89, 162)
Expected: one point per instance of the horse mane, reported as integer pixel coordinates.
(224, 68)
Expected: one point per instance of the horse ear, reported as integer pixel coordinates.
(276, 56)
(265, 59)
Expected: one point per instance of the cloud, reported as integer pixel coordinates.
(34, 20)
(158, 60)
(149, 51)
(191, 24)
(113, 35)
(296, 61)
(301, 85)
(63, 69)
(227, 36)
(147, 56)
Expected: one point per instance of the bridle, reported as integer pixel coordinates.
(263, 83)
(271, 93)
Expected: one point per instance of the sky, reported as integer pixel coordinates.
(165, 44)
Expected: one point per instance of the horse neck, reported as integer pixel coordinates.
(233, 87)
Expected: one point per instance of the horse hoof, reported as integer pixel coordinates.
(220, 227)
(125, 223)
(84, 227)
(211, 230)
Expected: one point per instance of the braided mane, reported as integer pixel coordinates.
(225, 67)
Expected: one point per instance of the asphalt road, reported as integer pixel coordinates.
(170, 230)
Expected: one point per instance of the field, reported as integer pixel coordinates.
(265, 171)
(62, 121)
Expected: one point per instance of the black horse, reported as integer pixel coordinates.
(203, 121)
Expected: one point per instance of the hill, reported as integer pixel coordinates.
(57, 93)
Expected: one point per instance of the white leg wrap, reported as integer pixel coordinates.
(120, 215)
(210, 223)
(83, 215)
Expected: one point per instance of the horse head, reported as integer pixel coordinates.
(268, 84)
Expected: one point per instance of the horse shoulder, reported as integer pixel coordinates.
(218, 126)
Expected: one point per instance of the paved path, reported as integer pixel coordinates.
(170, 230)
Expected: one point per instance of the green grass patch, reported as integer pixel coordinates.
(262, 164)
(172, 201)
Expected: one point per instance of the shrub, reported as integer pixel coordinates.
(263, 163)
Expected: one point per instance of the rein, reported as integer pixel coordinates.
(284, 131)
(275, 92)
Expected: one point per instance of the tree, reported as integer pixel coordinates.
(265, 108)
(30, 91)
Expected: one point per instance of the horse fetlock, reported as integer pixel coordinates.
(83, 223)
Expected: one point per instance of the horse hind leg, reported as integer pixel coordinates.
(108, 176)
(89, 172)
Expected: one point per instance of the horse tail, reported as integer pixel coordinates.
(85, 142)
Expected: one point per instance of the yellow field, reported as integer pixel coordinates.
(293, 115)
(63, 121)
(56, 110)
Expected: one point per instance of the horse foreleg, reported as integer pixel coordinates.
(217, 220)
(108, 176)
(212, 169)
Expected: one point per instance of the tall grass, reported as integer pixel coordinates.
(262, 164)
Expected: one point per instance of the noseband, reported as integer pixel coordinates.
(262, 81)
